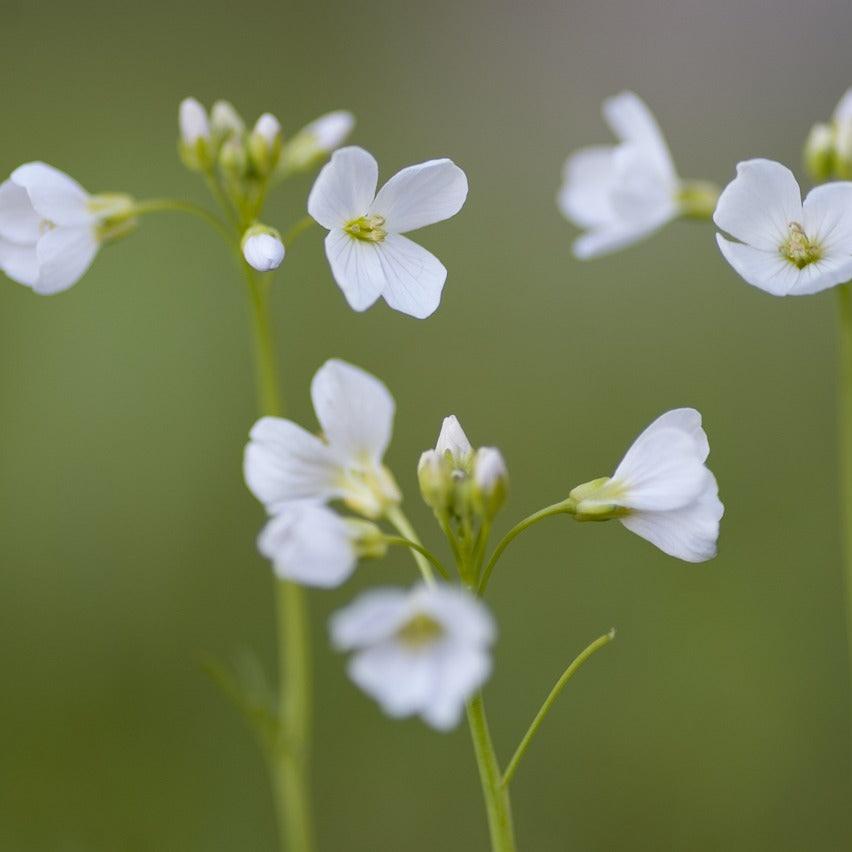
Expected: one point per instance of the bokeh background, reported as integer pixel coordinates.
(719, 717)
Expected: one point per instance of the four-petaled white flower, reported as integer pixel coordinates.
(662, 489)
(50, 227)
(369, 257)
(286, 463)
(423, 651)
(786, 247)
(309, 543)
(620, 193)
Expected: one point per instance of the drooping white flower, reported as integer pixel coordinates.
(285, 463)
(419, 652)
(784, 246)
(369, 257)
(620, 193)
(262, 248)
(662, 489)
(309, 543)
(316, 141)
(50, 227)
(192, 120)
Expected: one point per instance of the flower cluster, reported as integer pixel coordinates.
(426, 651)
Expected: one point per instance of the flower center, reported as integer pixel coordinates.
(368, 228)
(798, 248)
(420, 631)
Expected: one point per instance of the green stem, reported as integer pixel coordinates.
(565, 507)
(844, 378)
(581, 658)
(176, 205)
(297, 230)
(289, 761)
(400, 541)
(497, 804)
(397, 518)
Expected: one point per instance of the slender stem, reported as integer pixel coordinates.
(566, 507)
(844, 378)
(497, 804)
(290, 759)
(177, 205)
(578, 661)
(400, 541)
(397, 518)
(297, 230)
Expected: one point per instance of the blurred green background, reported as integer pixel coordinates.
(719, 717)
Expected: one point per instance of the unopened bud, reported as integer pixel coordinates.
(262, 248)
(233, 159)
(315, 142)
(225, 121)
(819, 152)
(490, 481)
(195, 149)
(435, 475)
(265, 143)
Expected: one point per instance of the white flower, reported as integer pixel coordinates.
(192, 120)
(369, 257)
(262, 249)
(309, 543)
(286, 463)
(49, 227)
(785, 247)
(620, 193)
(423, 651)
(662, 489)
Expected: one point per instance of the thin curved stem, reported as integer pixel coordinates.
(397, 518)
(497, 804)
(578, 661)
(177, 205)
(289, 761)
(304, 224)
(565, 507)
(418, 548)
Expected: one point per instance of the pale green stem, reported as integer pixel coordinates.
(497, 804)
(844, 378)
(176, 205)
(289, 762)
(565, 507)
(581, 658)
(400, 541)
(297, 230)
(397, 518)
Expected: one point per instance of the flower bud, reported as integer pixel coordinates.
(490, 481)
(315, 142)
(265, 143)
(435, 475)
(819, 152)
(233, 158)
(195, 148)
(262, 248)
(225, 121)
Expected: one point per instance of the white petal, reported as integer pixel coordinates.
(414, 277)
(329, 131)
(55, 196)
(356, 268)
(689, 533)
(462, 671)
(284, 463)
(641, 193)
(452, 438)
(584, 198)
(310, 544)
(843, 110)
(354, 409)
(759, 204)
(611, 238)
(421, 195)
(344, 188)
(19, 222)
(632, 121)
(373, 617)
(64, 255)
(464, 617)
(20, 263)
(827, 217)
(489, 469)
(661, 471)
(763, 268)
(686, 420)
